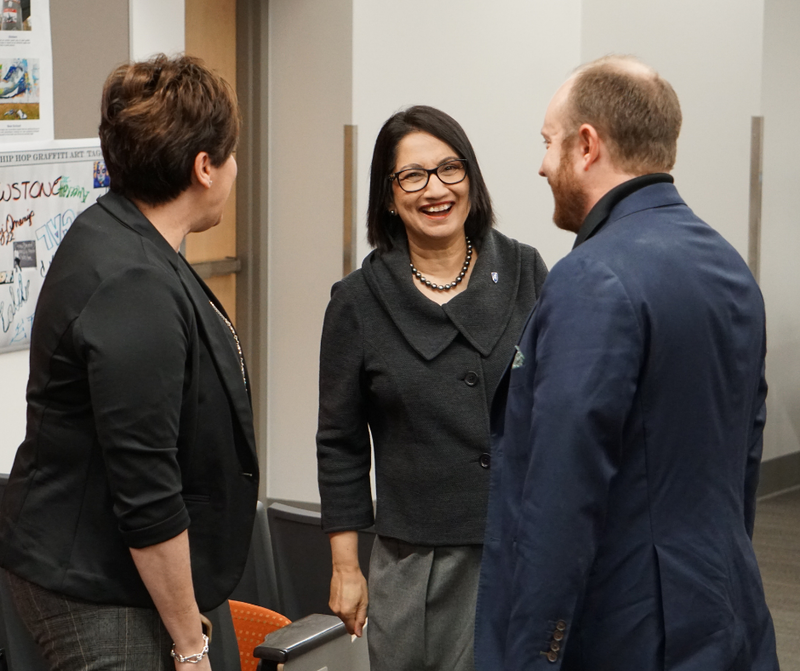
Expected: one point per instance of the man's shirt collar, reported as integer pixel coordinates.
(598, 215)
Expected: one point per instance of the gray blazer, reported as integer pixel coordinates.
(420, 378)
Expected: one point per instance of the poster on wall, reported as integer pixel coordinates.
(43, 187)
(26, 71)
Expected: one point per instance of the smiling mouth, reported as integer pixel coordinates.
(437, 209)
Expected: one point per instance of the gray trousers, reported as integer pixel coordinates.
(78, 636)
(422, 606)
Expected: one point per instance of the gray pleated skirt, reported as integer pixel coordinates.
(422, 606)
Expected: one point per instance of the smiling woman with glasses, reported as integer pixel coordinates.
(413, 347)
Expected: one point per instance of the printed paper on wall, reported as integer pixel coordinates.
(43, 187)
(26, 71)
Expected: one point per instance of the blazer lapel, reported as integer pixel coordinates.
(222, 347)
(480, 314)
(422, 322)
(497, 411)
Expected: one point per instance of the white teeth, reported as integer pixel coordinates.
(438, 208)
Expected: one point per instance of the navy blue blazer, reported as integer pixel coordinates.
(627, 441)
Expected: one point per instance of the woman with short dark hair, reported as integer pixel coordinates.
(130, 505)
(413, 347)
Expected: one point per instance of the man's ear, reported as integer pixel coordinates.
(201, 172)
(589, 145)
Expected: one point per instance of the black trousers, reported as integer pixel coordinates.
(80, 636)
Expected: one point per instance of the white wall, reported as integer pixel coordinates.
(156, 26)
(780, 280)
(14, 378)
(710, 51)
(310, 61)
(335, 63)
(494, 67)
(491, 66)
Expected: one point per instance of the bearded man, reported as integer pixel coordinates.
(627, 433)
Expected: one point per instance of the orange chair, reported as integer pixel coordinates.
(252, 624)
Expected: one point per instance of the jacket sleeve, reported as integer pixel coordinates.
(753, 466)
(343, 443)
(133, 336)
(589, 351)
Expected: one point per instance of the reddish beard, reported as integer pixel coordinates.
(570, 199)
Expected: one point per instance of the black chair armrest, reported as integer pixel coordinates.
(300, 637)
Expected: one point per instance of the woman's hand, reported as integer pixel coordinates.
(190, 646)
(203, 665)
(349, 597)
(166, 570)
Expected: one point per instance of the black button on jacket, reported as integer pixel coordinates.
(421, 378)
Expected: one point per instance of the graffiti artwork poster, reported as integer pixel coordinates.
(26, 71)
(43, 187)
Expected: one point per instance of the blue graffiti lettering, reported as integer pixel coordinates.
(54, 230)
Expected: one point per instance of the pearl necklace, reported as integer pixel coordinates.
(446, 287)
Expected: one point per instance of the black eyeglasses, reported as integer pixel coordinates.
(416, 179)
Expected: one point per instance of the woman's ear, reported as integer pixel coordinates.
(202, 169)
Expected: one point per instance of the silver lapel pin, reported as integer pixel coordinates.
(495, 277)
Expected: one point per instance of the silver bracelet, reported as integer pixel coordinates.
(191, 659)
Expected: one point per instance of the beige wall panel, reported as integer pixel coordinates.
(224, 288)
(218, 242)
(211, 35)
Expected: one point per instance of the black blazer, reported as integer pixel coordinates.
(139, 422)
(420, 378)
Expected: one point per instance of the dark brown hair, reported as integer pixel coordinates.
(156, 116)
(382, 226)
(633, 109)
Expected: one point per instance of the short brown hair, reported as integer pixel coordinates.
(633, 109)
(156, 116)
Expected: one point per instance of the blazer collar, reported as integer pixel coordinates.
(222, 347)
(480, 314)
(635, 195)
(647, 198)
(127, 214)
(213, 329)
